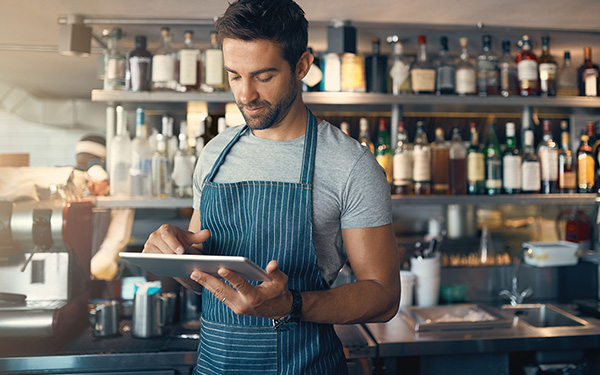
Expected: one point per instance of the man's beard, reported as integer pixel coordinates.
(274, 113)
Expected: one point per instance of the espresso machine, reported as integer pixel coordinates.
(45, 250)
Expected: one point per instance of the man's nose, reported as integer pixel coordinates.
(247, 92)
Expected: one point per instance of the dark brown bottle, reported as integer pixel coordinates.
(588, 75)
(440, 164)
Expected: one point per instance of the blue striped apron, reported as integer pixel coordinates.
(265, 220)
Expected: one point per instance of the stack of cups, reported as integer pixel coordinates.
(407, 280)
(427, 271)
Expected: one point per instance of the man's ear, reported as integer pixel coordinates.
(303, 65)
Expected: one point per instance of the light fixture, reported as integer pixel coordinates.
(75, 39)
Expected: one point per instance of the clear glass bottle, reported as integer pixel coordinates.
(114, 62)
(333, 73)
(547, 69)
(421, 162)
(567, 175)
(120, 158)
(445, 71)
(588, 75)
(422, 73)
(548, 154)
(493, 162)
(200, 137)
(139, 66)
(458, 164)
(376, 68)
(511, 162)
(527, 69)
(190, 66)
(170, 139)
(214, 77)
(310, 83)
(440, 164)
(183, 166)
(364, 137)
(400, 70)
(488, 75)
(466, 78)
(566, 80)
(508, 71)
(353, 73)
(475, 164)
(383, 152)
(141, 158)
(402, 162)
(530, 169)
(162, 183)
(345, 128)
(164, 64)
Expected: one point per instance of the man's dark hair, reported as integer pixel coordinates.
(280, 21)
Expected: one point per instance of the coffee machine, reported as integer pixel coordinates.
(45, 250)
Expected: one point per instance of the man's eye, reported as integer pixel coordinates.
(234, 78)
(265, 79)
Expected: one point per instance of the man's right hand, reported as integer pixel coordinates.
(169, 239)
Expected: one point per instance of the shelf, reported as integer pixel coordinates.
(519, 199)
(161, 203)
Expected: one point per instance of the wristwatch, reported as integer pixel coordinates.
(290, 321)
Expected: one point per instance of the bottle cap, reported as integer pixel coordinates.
(140, 41)
(422, 39)
(567, 54)
(382, 124)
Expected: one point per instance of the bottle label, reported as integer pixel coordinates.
(475, 167)
(512, 171)
(547, 71)
(333, 73)
(353, 73)
(585, 167)
(465, 81)
(188, 67)
(530, 176)
(139, 68)
(386, 163)
(423, 80)
(422, 165)
(115, 68)
(446, 77)
(163, 68)
(494, 174)
(568, 180)
(214, 67)
(402, 169)
(400, 76)
(549, 161)
(590, 81)
(527, 70)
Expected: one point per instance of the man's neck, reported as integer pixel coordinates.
(292, 126)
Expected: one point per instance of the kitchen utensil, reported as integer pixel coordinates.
(149, 311)
(104, 317)
(427, 272)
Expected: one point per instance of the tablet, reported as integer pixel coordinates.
(174, 265)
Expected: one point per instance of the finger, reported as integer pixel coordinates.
(156, 244)
(193, 239)
(215, 286)
(169, 236)
(275, 273)
(238, 282)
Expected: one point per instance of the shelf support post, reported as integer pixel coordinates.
(396, 117)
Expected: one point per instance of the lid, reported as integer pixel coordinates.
(422, 39)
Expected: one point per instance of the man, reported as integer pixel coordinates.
(291, 193)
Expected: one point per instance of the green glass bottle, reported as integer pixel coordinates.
(493, 162)
(475, 164)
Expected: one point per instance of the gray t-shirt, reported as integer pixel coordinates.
(349, 187)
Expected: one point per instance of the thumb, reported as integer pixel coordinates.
(197, 237)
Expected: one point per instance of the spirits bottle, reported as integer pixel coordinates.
(345, 128)
(530, 169)
(508, 71)
(190, 66)
(215, 77)
(310, 82)
(445, 71)
(487, 69)
(511, 162)
(591, 133)
(120, 158)
(384, 153)
(567, 177)
(162, 183)
(493, 162)
(588, 75)
(548, 69)
(585, 166)
(183, 167)
(421, 162)
(333, 73)
(440, 164)
(170, 139)
(466, 78)
(475, 164)
(114, 63)
(141, 158)
(566, 80)
(400, 70)
(422, 73)
(402, 163)
(527, 69)
(376, 68)
(200, 137)
(548, 153)
(139, 67)
(458, 164)
(353, 73)
(364, 138)
(163, 64)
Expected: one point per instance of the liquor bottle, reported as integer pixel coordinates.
(588, 75)
(141, 158)
(333, 73)
(508, 71)
(458, 164)
(162, 183)
(493, 162)
(402, 162)
(163, 64)
(120, 158)
(422, 73)
(200, 137)
(139, 66)
(566, 79)
(440, 164)
(190, 66)
(310, 82)
(384, 153)
(376, 68)
(114, 63)
(527, 69)
(530, 169)
(183, 166)
(364, 138)
(214, 77)
(567, 176)
(488, 75)
(353, 73)
(400, 70)
(345, 128)
(170, 140)
(475, 164)
(421, 162)
(511, 162)
(585, 166)
(548, 153)
(445, 71)
(547, 69)
(466, 78)
(591, 133)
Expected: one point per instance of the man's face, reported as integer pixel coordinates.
(261, 80)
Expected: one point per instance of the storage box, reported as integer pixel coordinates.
(551, 254)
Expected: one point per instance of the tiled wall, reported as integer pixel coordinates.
(47, 146)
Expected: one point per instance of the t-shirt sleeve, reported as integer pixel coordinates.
(367, 199)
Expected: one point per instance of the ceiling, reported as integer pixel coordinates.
(29, 30)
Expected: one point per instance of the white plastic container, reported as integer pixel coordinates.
(551, 254)
(407, 280)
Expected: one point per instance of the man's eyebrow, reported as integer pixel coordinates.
(254, 73)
